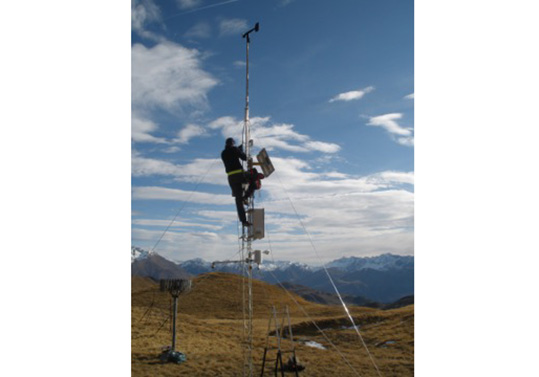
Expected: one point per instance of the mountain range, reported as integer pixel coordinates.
(364, 281)
(153, 265)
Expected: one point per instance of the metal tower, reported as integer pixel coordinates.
(248, 256)
(248, 369)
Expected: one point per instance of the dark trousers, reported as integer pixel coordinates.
(235, 181)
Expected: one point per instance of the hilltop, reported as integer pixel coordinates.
(218, 295)
(210, 328)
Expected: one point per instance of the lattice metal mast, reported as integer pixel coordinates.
(246, 236)
(246, 124)
(248, 257)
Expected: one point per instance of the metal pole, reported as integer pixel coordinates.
(246, 117)
(250, 340)
(246, 246)
(174, 323)
(244, 299)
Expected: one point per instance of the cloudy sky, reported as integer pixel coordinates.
(331, 100)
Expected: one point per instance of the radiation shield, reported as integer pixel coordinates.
(256, 218)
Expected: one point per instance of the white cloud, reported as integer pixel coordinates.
(294, 175)
(388, 123)
(277, 130)
(165, 193)
(170, 77)
(397, 177)
(401, 135)
(199, 170)
(225, 123)
(218, 216)
(352, 95)
(407, 141)
(273, 135)
(144, 167)
(323, 147)
(142, 128)
(190, 131)
(144, 12)
(358, 222)
(300, 182)
(172, 149)
(188, 4)
(174, 224)
(409, 96)
(194, 244)
(201, 30)
(361, 214)
(336, 174)
(232, 26)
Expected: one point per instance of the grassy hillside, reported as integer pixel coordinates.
(210, 331)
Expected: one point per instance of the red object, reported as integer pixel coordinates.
(256, 177)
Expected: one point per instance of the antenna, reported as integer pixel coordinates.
(246, 125)
(175, 287)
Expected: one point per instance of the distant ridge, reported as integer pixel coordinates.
(405, 301)
(325, 298)
(156, 267)
(382, 279)
(383, 262)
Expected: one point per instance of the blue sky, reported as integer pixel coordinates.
(331, 99)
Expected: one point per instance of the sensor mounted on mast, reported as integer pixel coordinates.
(255, 29)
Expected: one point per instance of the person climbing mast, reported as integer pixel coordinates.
(231, 156)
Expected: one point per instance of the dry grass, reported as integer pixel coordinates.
(209, 332)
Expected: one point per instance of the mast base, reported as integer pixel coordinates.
(170, 356)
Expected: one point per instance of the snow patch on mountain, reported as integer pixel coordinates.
(197, 263)
(139, 254)
(283, 265)
(384, 262)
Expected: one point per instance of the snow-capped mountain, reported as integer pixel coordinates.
(384, 262)
(383, 278)
(282, 270)
(282, 265)
(196, 266)
(154, 266)
(138, 254)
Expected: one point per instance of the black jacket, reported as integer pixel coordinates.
(231, 158)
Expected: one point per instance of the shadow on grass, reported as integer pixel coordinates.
(146, 359)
